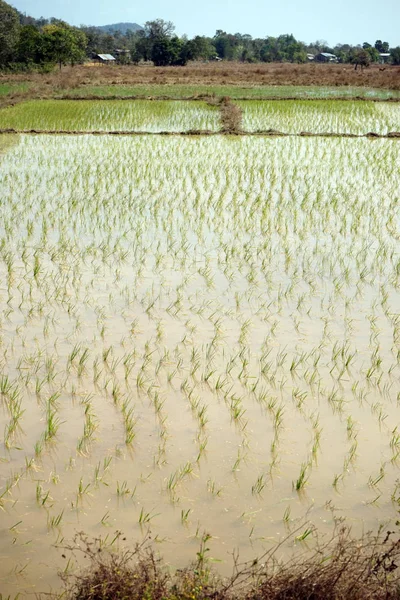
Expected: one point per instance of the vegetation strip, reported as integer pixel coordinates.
(205, 98)
(266, 133)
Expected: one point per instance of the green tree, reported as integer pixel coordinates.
(373, 54)
(395, 55)
(29, 49)
(63, 43)
(343, 52)
(360, 57)
(200, 48)
(382, 46)
(9, 32)
(169, 51)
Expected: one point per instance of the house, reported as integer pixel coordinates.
(384, 57)
(121, 52)
(326, 57)
(104, 58)
(310, 56)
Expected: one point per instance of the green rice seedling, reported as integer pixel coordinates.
(83, 489)
(13, 528)
(373, 481)
(302, 479)
(5, 385)
(55, 521)
(286, 516)
(213, 488)
(306, 533)
(123, 489)
(185, 516)
(259, 485)
(75, 351)
(130, 426)
(82, 362)
(104, 519)
(146, 517)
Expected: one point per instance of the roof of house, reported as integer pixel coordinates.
(328, 54)
(106, 56)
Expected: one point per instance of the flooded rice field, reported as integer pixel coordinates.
(196, 335)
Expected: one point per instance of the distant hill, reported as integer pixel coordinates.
(121, 27)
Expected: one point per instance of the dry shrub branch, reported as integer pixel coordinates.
(343, 568)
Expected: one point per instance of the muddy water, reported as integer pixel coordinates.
(187, 325)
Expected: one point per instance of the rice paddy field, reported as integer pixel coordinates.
(110, 115)
(321, 116)
(233, 91)
(286, 116)
(198, 335)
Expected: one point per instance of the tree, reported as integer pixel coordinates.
(158, 29)
(373, 54)
(29, 47)
(395, 54)
(200, 48)
(343, 52)
(169, 52)
(9, 32)
(160, 53)
(63, 43)
(361, 57)
(382, 46)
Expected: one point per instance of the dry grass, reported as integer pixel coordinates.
(341, 569)
(216, 74)
(231, 116)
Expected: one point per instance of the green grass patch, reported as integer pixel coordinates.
(10, 88)
(189, 91)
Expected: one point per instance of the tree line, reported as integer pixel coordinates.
(26, 43)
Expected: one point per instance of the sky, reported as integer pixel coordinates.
(342, 21)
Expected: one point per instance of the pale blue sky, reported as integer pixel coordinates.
(341, 21)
